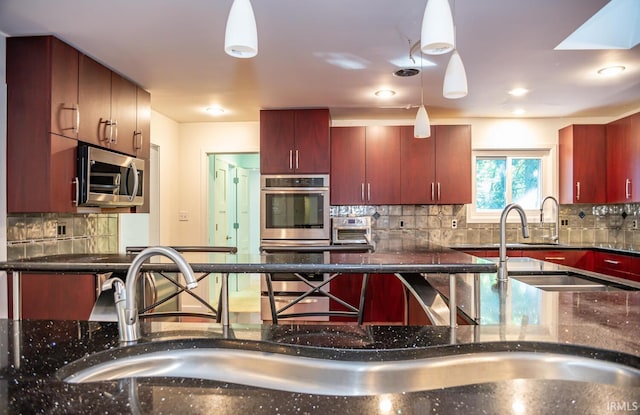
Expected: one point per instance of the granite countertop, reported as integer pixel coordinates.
(425, 258)
(31, 352)
(512, 317)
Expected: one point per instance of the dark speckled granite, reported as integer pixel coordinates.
(28, 381)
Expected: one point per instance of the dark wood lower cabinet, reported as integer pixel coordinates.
(58, 296)
(384, 300)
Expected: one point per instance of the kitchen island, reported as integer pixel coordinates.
(514, 318)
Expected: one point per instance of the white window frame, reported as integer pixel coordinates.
(546, 156)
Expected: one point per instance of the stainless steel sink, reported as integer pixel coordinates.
(568, 282)
(312, 375)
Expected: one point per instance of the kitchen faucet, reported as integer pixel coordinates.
(555, 238)
(502, 265)
(125, 292)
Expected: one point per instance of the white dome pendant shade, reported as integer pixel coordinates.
(422, 127)
(455, 78)
(437, 35)
(241, 35)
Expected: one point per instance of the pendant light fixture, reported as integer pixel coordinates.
(455, 77)
(437, 35)
(421, 127)
(241, 35)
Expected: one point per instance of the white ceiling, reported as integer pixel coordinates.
(174, 49)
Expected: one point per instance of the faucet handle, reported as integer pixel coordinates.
(119, 292)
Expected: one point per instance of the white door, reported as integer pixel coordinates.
(221, 218)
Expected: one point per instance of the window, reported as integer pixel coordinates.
(504, 177)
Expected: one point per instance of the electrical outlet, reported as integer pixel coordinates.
(634, 224)
(402, 224)
(454, 223)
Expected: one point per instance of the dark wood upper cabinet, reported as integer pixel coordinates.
(42, 87)
(123, 114)
(382, 165)
(437, 169)
(417, 167)
(294, 141)
(623, 160)
(55, 97)
(347, 165)
(365, 165)
(453, 164)
(582, 165)
(94, 89)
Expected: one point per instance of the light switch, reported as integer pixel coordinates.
(183, 216)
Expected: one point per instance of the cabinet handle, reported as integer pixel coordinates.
(76, 183)
(577, 190)
(297, 159)
(627, 189)
(611, 261)
(438, 190)
(368, 191)
(290, 159)
(73, 107)
(432, 191)
(554, 258)
(113, 139)
(362, 192)
(134, 192)
(138, 140)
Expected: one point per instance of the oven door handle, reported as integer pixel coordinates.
(305, 301)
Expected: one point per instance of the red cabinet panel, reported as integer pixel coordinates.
(58, 296)
(436, 169)
(582, 153)
(384, 300)
(623, 160)
(294, 141)
(365, 165)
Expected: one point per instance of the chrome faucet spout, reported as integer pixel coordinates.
(556, 237)
(502, 266)
(130, 328)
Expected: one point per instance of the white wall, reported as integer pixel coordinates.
(196, 141)
(165, 134)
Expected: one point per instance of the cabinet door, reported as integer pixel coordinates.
(311, 153)
(65, 114)
(40, 177)
(277, 141)
(621, 151)
(94, 98)
(384, 299)
(123, 114)
(347, 165)
(582, 153)
(58, 296)
(382, 165)
(453, 164)
(567, 257)
(143, 124)
(417, 168)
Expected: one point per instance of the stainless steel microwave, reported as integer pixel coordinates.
(109, 179)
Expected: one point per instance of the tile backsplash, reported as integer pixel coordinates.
(38, 234)
(614, 226)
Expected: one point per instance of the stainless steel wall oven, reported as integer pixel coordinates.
(295, 208)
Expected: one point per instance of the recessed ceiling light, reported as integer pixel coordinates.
(215, 110)
(385, 93)
(518, 92)
(611, 70)
(518, 111)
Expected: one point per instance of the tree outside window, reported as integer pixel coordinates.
(504, 180)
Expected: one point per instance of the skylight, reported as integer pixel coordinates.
(615, 26)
